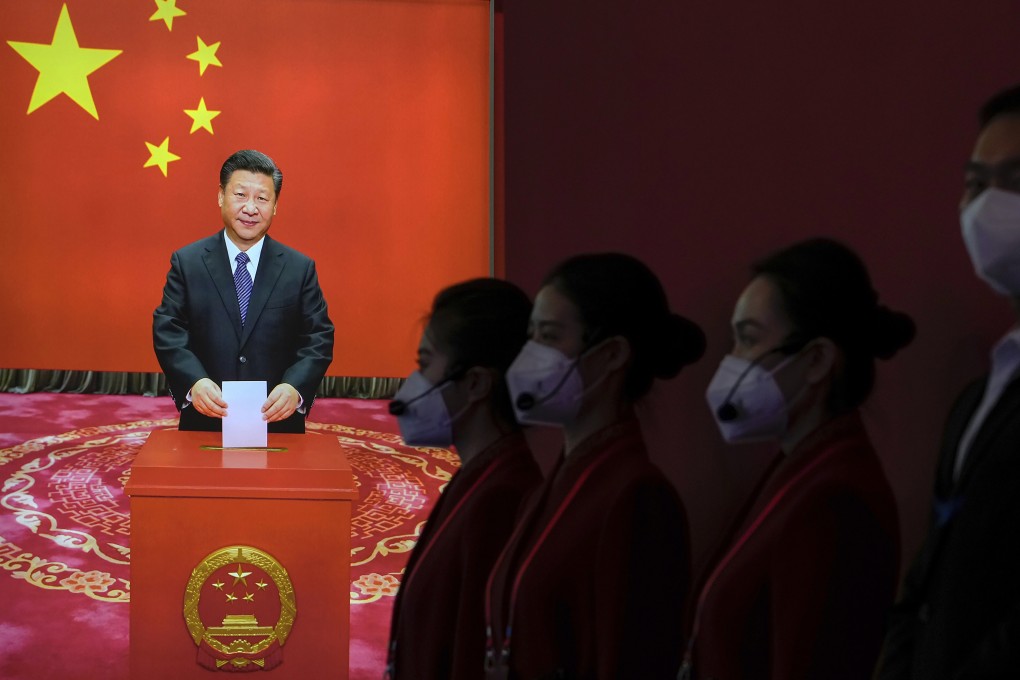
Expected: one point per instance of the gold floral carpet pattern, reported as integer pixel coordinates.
(65, 540)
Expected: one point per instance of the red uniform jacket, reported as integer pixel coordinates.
(804, 585)
(438, 628)
(601, 567)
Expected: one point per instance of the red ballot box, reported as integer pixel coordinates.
(240, 558)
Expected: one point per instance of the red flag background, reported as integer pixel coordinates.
(375, 110)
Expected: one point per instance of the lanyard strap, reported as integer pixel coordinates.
(442, 527)
(490, 648)
(428, 547)
(685, 669)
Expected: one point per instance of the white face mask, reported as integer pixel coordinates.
(991, 232)
(424, 419)
(547, 382)
(748, 393)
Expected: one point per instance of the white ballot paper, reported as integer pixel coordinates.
(243, 425)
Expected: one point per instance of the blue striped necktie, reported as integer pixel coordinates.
(242, 282)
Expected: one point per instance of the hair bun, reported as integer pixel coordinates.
(681, 342)
(891, 332)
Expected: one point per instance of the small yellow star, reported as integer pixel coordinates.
(239, 575)
(63, 66)
(250, 597)
(218, 585)
(201, 117)
(262, 584)
(205, 55)
(167, 10)
(230, 598)
(161, 156)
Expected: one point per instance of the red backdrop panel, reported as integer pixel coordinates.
(376, 111)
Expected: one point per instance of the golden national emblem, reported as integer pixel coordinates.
(239, 608)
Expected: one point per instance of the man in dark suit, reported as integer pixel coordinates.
(959, 613)
(239, 305)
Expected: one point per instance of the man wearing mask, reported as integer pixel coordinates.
(959, 612)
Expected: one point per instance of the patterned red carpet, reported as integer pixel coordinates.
(65, 549)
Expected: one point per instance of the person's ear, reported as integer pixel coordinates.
(615, 351)
(822, 355)
(220, 197)
(478, 383)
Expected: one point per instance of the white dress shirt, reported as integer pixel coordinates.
(254, 253)
(1005, 362)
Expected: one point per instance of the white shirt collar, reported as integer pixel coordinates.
(254, 254)
(1005, 363)
(1006, 353)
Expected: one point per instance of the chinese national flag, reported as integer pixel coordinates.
(115, 119)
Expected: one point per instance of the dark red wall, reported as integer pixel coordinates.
(701, 136)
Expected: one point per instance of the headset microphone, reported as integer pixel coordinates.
(398, 407)
(728, 411)
(526, 400)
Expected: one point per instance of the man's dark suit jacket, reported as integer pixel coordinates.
(959, 612)
(197, 333)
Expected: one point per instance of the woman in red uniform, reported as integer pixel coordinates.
(458, 396)
(802, 586)
(593, 581)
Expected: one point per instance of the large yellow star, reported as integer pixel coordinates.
(205, 55)
(63, 66)
(161, 156)
(167, 10)
(201, 117)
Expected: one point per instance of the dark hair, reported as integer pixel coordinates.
(826, 292)
(252, 161)
(619, 295)
(482, 322)
(1005, 102)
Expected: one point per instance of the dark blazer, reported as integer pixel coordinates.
(197, 333)
(959, 610)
